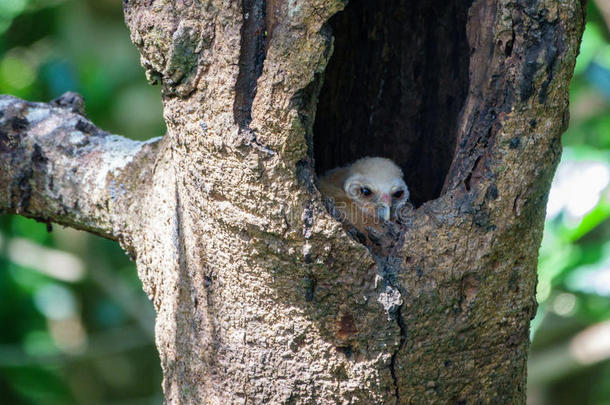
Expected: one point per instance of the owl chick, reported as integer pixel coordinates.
(369, 190)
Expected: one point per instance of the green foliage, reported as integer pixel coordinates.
(77, 326)
(54, 46)
(574, 264)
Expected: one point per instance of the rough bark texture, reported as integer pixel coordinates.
(261, 295)
(56, 166)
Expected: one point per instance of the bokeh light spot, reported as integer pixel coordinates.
(564, 304)
(55, 302)
(12, 7)
(17, 72)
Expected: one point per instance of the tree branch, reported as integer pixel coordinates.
(56, 166)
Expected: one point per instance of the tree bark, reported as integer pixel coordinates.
(261, 294)
(59, 167)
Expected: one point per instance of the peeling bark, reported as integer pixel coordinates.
(261, 295)
(59, 167)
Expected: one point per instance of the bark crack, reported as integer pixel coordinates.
(252, 140)
(388, 269)
(403, 338)
(251, 59)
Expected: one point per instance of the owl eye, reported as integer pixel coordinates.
(365, 191)
(398, 194)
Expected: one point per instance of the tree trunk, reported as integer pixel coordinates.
(261, 295)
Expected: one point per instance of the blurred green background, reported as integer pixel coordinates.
(77, 327)
(79, 330)
(569, 363)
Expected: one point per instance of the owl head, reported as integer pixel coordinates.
(376, 186)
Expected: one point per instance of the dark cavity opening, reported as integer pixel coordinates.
(252, 57)
(394, 87)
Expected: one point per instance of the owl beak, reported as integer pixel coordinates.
(383, 211)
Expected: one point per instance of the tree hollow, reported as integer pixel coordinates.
(394, 87)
